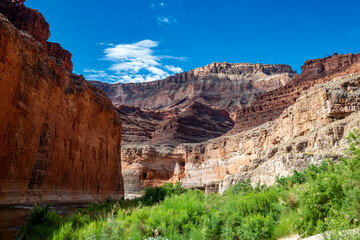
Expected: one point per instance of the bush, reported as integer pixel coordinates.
(319, 199)
(41, 223)
(158, 194)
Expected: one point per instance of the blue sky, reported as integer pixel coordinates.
(144, 40)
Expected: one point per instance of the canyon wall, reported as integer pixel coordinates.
(268, 106)
(226, 85)
(190, 107)
(275, 131)
(60, 137)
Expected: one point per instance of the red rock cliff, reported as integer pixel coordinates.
(59, 136)
(34, 23)
(268, 106)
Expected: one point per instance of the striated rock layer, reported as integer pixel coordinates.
(280, 130)
(306, 132)
(191, 107)
(270, 105)
(226, 85)
(59, 136)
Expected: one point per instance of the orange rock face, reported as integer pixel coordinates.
(55, 50)
(59, 136)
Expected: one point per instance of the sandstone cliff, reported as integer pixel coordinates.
(273, 131)
(226, 85)
(268, 106)
(59, 136)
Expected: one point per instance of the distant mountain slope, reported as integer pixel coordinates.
(226, 85)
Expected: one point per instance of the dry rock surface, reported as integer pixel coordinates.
(213, 126)
(60, 137)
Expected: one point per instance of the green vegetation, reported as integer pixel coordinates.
(320, 199)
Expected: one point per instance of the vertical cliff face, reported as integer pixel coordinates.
(59, 136)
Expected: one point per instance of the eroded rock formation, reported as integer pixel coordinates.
(59, 136)
(270, 105)
(277, 125)
(34, 23)
(226, 85)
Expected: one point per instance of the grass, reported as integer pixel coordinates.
(320, 199)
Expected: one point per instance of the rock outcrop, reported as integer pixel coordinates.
(271, 131)
(55, 50)
(34, 23)
(307, 132)
(59, 136)
(268, 106)
(190, 107)
(195, 123)
(226, 85)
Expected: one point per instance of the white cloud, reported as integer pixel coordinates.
(160, 4)
(165, 20)
(136, 62)
(173, 69)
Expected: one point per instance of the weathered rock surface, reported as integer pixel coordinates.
(55, 50)
(191, 107)
(226, 85)
(305, 132)
(59, 136)
(33, 22)
(26, 19)
(194, 123)
(268, 106)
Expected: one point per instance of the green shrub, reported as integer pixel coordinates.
(321, 198)
(158, 194)
(41, 223)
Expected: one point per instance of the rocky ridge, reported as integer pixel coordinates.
(250, 150)
(59, 136)
(226, 85)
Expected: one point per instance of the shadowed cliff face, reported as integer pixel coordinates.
(59, 136)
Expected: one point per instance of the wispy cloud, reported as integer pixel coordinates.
(136, 62)
(159, 4)
(173, 69)
(165, 20)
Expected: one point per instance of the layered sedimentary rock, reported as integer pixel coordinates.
(268, 106)
(194, 123)
(226, 85)
(191, 107)
(59, 136)
(306, 132)
(305, 105)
